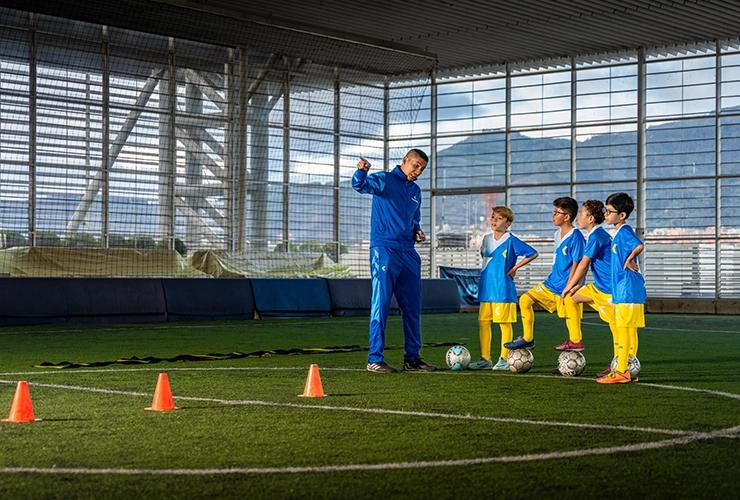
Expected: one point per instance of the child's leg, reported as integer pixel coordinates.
(507, 335)
(615, 337)
(484, 327)
(526, 309)
(624, 349)
(633, 341)
(573, 315)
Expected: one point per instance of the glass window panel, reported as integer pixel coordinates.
(361, 111)
(680, 149)
(680, 208)
(681, 87)
(540, 157)
(606, 152)
(730, 203)
(409, 111)
(475, 161)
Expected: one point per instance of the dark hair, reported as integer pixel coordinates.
(568, 205)
(421, 154)
(622, 202)
(596, 209)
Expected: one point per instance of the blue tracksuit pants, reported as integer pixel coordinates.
(395, 272)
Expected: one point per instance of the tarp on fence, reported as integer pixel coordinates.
(93, 262)
(224, 264)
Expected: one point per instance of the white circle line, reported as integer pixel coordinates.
(728, 433)
(369, 410)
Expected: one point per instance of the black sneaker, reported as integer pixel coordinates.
(381, 367)
(417, 366)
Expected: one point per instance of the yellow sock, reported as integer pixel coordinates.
(624, 349)
(527, 312)
(507, 335)
(574, 312)
(615, 338)
(484, 333)
(633, 341)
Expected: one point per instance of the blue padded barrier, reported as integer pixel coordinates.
(208, 299)
(32, 301)
(278, 297)
(439, 296)
(114, 300)
(352, 297)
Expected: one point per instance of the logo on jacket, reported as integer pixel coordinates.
(382, 268)
(565, 250)
(614, 248)
(503, 254)
(415, 200)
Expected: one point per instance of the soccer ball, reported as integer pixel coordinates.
(571, 363)
(520, 360)
(633, 365)
(458, 357)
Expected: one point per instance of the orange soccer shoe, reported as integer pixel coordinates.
(615, 377)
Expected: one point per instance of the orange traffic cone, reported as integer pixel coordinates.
(313, 384)
(162, 395)
(22, 409)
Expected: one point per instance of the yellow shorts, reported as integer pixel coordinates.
(601, 302)
(548, 300)
(630, 315)
(497, 312)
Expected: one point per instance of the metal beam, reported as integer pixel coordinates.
(115, 149)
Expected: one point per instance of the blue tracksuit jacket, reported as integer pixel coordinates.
(395, 266)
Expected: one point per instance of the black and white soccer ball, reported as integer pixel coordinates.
(458, 357)
(520, 360)
(633, 365)
(571, 363)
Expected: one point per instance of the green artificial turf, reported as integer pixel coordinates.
(245, 413)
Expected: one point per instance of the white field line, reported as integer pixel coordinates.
(369, 410)
(687, 437)
(726, 433)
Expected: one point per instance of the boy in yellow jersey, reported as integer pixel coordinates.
(598, 294)
(569, 245)
(496, 291)
(628, 285)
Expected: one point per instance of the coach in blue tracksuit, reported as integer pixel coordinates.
(394, 264)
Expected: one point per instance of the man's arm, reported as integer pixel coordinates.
(367, 184)
(419, 235)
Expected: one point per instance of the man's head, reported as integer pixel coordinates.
(565, 210)
(621, 203)
(414, 163)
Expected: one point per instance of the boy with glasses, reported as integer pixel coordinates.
(569, 246)
(628, 285)
(598, 294)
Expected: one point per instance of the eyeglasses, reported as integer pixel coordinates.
(609, 212)
(555, 212)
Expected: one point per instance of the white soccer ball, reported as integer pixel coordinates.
(458, 357)
(520, 360)
(571, 363)
(633, 365)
